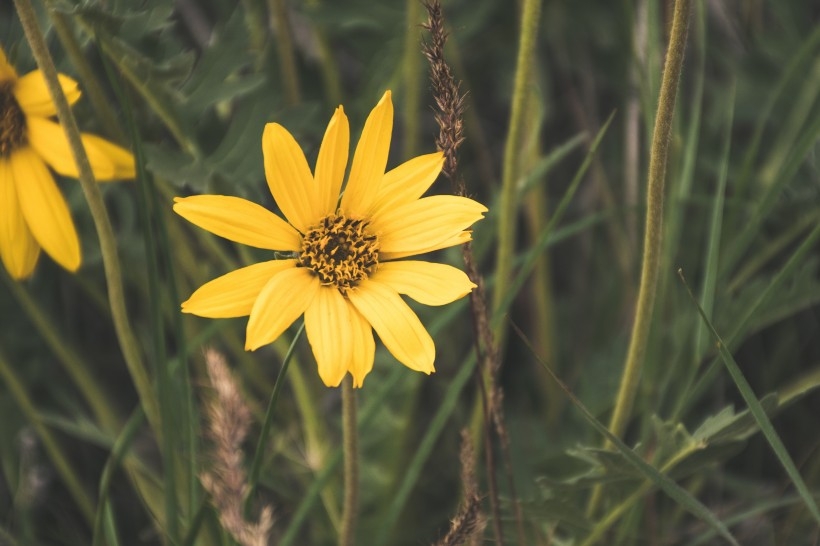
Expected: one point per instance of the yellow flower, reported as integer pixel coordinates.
(33, 212)
(343, 271)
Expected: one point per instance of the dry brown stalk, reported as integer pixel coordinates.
(229, 419)
(469, 523)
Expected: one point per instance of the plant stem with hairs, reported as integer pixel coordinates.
(108, 245)
(350, 509)
(658, 155)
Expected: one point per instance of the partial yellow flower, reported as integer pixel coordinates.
(342, 271)
(33, 212)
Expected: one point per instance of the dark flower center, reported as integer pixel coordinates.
(12, 121)
(340, 250)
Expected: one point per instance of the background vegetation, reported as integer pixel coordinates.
(189, 86)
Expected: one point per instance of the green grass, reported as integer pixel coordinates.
(722, 441)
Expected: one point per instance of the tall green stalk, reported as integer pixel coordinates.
(108, 245)
(530, 17)
(350, 510)
(658, 155)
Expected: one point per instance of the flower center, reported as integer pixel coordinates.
(340, 251)
(12, 122)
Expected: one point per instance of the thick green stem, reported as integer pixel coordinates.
(351, 453)
(411, 66)
(108, 245)
(658, 155)
(530, 17)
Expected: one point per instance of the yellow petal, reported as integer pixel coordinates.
(7, 72)
(407, 182)
(50, 142)
(33, 97)
(426, 282)
(370, 160)
(326, 322)
(18, 249)
(460, 239)
(282, 300)
(332, 161)
(397, 325)
(45, 209)
(364, 348)
(239, 220)
(233, 294)
(121, 159)
(289, 178)
(425, 223)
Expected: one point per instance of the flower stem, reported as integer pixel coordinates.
(530, 17)
(654, 222)
(108, 245)
(351, 453)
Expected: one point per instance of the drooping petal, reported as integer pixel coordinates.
(332, 161)
(369, 160)
(282, 300)
(7, 72)
(364, 347)
(460, 239)
(425, 222)
(233, 294)
(327, 322)
(45, 209)
(426, 282)
(407, 182)
(50, 142)
(18, 249)
(397, 325)
(33, 97)
(239, 220)
(289, 177)
(121, 159)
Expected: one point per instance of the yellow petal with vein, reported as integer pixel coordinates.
(50, 142)
(233, 294)
(18, 249)
(332, 161)
(397, 325)
(326, 322)
(45, 209)
(426, 282)
(286, 296)
(425, 223)
(33, 97)
(289, 177)
(364, 347)
(460, 239)
(238, 220)
(369, 160)
(407, 182)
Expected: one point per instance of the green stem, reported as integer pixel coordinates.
(55, 453)
(108, 245)
(530, 17)
(104, 411)
(658, 155)
(351, 453)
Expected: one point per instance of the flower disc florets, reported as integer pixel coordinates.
(340, 250)
(12, 122)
